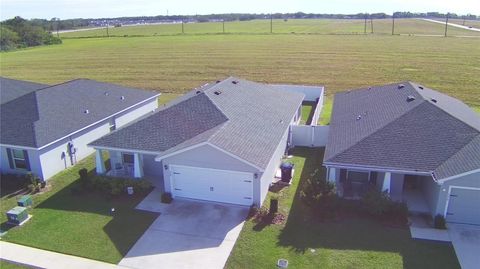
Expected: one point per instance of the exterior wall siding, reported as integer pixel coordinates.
(430, 190)
(472, 180)
(268, 175)
(135, 113)
(54, 158)
(33, 159)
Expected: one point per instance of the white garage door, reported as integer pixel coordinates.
(464, 206)
(213, 185)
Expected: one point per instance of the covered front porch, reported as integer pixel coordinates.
(402, 187)
(129, 165)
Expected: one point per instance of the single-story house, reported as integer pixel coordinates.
(417, 144)
(221, 142)
(45, 129)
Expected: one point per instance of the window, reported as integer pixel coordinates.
(19, 159)
(358, 176)
(127, 158)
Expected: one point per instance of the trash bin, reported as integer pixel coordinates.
(286, 169)
(25, 201)
(17, 215)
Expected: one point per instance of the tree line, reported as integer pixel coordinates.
(20, 33)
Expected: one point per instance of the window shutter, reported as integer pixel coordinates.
(27, 161)
(10, 159)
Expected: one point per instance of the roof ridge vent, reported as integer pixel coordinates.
(433, 100)
(86, 111)
(410, 98)
(217, 92)
(234, 81)
(198, 92)
(122, 97)
(401, 86)
(420, 87)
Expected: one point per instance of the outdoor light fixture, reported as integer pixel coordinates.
(166, 167)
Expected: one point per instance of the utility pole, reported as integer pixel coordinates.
(393, 23)
(58, 22)
(463, 20)
(271, 23)
(371, 23)
(446, 25)
(108, 35)
(365, 25)
(183, 30)
(223, 25)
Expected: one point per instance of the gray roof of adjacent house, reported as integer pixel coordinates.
(43, 116)
(11, 89)
(404, 126)
(244, 118)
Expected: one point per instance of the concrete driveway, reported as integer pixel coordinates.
(466, 242)
(187, 234)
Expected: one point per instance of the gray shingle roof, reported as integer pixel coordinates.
(11, 89)
(244, 118)
(43, 116)
(168, 128)
(379, 127)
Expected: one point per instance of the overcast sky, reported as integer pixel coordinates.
(116, 8)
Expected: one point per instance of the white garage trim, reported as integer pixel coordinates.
(224, 186)
(450, 192)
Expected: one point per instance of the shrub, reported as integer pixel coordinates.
(273, 206)
(166, 198)
(316, 188)
(376, 202)
(83, 173)
(35, 182)
(439, 222)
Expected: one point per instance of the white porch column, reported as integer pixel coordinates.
(386, 182)
(99, 162)
(137, 166)
(332, 174)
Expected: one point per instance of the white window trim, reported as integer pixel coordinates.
(359, 171)
(15, 158)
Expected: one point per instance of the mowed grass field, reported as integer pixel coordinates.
(298, 26)
(176, 64)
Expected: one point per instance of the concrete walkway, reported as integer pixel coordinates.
(420, 229)
(47, 259)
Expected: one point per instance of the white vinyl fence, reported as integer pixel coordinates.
(309, 135)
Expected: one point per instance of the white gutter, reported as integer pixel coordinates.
(376, 168)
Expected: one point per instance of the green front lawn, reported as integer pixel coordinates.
(79, 225)
(350, 243)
